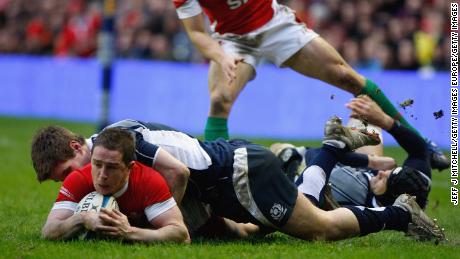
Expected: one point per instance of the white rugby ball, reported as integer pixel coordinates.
(94, 201)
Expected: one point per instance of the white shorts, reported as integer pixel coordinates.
(276, 41)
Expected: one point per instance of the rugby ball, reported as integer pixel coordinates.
(94, 202)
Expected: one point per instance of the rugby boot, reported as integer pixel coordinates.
(335, 134)
(281, 151)
(438, 159)
(289, 156)
(422, 227)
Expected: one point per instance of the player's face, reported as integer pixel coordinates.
(61, 170)
(108, 170)
(379, 182)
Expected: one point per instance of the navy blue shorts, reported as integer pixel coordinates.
(256, 189)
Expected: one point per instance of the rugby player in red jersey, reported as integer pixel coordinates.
(244, 32)
(148, 212)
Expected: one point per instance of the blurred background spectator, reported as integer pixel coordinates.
(375, 35)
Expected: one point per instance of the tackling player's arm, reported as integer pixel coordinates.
(240, 230)
(175, 173)
(169, 226)
(219, 227)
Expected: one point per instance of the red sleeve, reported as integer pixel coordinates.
(156, 189)
(179, 3)
(76, 186)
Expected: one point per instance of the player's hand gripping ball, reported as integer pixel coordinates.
(93, 202)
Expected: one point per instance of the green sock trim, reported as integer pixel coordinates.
(216, 128)
(373, 91)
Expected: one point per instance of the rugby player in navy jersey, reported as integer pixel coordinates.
(244, 182)
(365, 178)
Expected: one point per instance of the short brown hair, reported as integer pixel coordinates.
(50, 146)
(117, 139)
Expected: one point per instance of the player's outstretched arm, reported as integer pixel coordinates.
(175, 173)
(64, 224)
(208, 47)
(169, 226)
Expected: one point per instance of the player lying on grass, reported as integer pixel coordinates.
(244, 182)
(367, 179)
(244, 32)
(142, 195)
(57, 151)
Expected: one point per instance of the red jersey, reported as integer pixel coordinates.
(233, 16)
(145, 196)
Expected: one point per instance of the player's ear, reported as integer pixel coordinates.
(75, 145)
(130, 165)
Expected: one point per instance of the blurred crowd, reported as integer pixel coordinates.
(370, 34)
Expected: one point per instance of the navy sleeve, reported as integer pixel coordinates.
(145, 152)
(352, 159)
(415, 146)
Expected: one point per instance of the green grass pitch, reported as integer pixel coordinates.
(24, 205)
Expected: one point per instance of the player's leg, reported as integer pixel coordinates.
(222, 98)
(308, 222)
(259, 193)
(311, 223)
(337, 72)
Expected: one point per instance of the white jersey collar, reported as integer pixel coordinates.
(122, 191)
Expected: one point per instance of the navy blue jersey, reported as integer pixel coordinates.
(150, 137)
(239, 180)
(351, 186)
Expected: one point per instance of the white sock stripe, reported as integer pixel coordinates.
(377, 208)
(314, 180)
(334, 143)
(425, 176)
